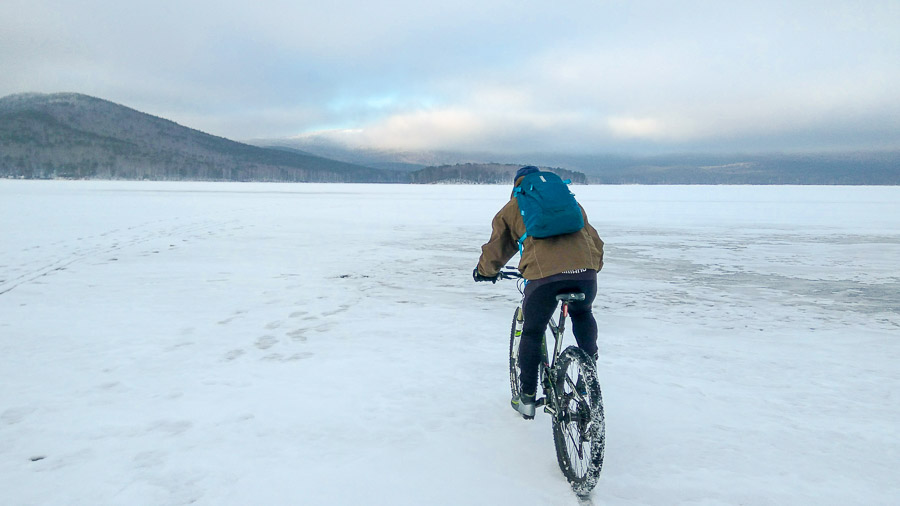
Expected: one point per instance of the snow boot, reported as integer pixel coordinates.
(524, 404)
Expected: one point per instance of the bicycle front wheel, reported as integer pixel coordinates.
(579, 428)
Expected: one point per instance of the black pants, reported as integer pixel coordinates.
(540, 303)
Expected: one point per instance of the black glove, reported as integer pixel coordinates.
(478, 277)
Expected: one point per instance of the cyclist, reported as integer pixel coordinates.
(551, 266)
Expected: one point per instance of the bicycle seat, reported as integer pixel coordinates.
(570, 297)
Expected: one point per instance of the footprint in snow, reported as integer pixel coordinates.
(15, 415)
(233, 354)
(278, 357)
(266, 342)
(171, 427)
(340, 309)
(148, 459)
(232, 317)
(297, 335)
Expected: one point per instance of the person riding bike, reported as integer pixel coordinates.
(551, 266)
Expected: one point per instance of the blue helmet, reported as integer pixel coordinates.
(525, 170)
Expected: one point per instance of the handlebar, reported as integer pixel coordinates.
(509, 274)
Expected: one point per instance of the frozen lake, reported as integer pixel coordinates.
(232, 344)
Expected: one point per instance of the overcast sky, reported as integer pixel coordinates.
(504, 76)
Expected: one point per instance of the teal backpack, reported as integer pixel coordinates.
(548, 207)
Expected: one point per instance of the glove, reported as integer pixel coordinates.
(478, 277)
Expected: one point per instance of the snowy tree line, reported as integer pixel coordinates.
(75, 136)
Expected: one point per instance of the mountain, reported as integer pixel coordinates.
(402, 161)
(851, 168)
(77, 136)
(482, 173)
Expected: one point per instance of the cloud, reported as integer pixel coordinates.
(503, 76)
(641, 128)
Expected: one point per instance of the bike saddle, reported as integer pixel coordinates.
(570, 297)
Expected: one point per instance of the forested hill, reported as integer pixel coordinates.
(77, 136)
(482, 173)
(854, 168)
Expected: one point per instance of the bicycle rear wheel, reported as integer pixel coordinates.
(579, 428)
(515, 335)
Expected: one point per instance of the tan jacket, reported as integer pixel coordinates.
(540, 257)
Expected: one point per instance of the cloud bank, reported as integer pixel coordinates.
(501, 76)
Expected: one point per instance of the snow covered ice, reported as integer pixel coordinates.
(235, 344)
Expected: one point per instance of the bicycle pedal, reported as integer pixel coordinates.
(540, 402)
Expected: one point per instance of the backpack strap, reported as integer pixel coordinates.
(517, 191)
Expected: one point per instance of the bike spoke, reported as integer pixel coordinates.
(576, 449)
(576, 444)
(575, 393)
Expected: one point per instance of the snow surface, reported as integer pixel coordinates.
(238, 344)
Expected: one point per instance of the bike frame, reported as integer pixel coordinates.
(557, 331)
(548, 363)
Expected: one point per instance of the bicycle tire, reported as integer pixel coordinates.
(579, 428)
(514, 378)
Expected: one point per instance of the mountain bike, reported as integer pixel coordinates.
(571, 395)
